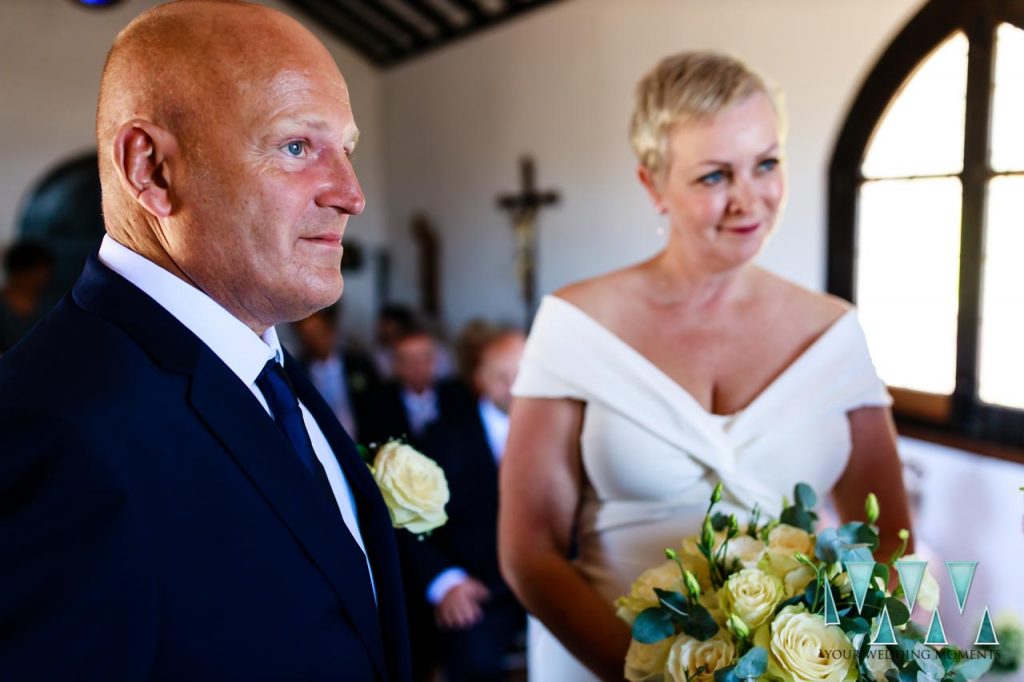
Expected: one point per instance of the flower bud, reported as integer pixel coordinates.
(671, 554)
(904, 534)
(692, 585)
(871, 508)
(803, 559)
(738, 627)
(716, 494)
(734, 526)
(707, 534)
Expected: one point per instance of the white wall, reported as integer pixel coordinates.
(558, 84)
(51, 55)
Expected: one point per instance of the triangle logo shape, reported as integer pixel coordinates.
(961, 574)
(860, 578)
(884, 633)
(911, 577)
(986, 633)
(831, 613)
(936, 633)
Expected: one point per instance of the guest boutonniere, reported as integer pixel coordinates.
(413, 486)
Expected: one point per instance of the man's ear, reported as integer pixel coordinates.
(651, 185)
(141, 153)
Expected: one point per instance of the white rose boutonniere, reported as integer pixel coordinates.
(414, 487)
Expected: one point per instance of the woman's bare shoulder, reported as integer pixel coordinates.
(600, 296)
(816, 308)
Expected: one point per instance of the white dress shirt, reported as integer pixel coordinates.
(496, 424)
(329, 378)
(236, 345)
(420, 409)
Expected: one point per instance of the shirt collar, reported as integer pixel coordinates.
(491, 413)
(236, 345)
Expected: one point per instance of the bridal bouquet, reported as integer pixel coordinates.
(776, 601)
(414, 487)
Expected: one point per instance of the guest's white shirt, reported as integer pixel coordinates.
(329, 378)
(420, 409)
(496, 424)
(236, 345)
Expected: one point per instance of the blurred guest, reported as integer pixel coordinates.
(455, 569)
(468, 344)
(414, 399)
(345, 378)
(28, 267)
(393, 320)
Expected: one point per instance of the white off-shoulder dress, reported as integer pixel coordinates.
(652, 455)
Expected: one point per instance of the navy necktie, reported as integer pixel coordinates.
(284, 404)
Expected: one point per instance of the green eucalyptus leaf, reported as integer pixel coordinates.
(898, 612)
(922, 676)
(699, 625)
(804, 496)
(797, 517)
(857, 533)
(675, 602)
(929, 661)
(727, 674)
(855, 554)
(753, 663)
(852, 626)
(719, 521)
(653, 625)
(827, 546)
(974, 668)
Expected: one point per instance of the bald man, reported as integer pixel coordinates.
(176, 501)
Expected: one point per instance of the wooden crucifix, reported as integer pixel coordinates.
(523, 208)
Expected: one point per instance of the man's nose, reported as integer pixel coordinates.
(341, 190)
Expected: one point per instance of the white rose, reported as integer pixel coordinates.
(646, 662)
(687, 655)
(798, 579)
(752, 595)
(803, 649)
(745, 549)
(413, 486)
(783, 542)
(928, 594)
(878, 661)
(642, 596)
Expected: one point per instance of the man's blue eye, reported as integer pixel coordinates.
(295, 148)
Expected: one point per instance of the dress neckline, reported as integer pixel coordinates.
(721, 419)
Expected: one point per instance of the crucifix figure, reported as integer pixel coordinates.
(523, 208)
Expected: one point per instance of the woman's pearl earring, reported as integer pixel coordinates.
(662, 222)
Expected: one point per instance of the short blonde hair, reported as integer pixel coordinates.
(686, 85)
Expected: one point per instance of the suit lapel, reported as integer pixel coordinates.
(234, 416)
(374, 523)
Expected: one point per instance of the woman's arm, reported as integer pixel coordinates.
(875, 468)
(541, 483)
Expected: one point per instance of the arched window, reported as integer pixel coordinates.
(926, 217)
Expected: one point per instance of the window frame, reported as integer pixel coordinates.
(962, 415)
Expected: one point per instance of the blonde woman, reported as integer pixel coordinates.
(642, 388)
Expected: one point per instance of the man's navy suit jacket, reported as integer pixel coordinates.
(155, 523)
